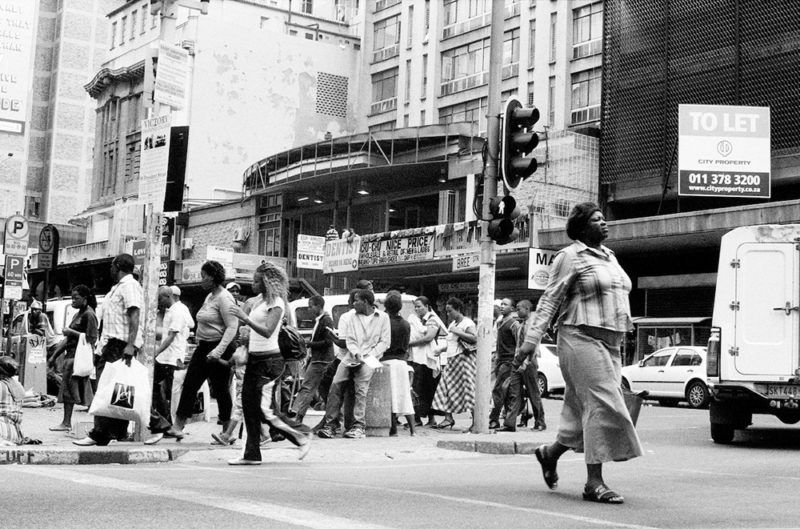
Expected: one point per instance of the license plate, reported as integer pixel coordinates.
(781, 390)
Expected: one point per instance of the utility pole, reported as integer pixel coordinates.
(487, 265)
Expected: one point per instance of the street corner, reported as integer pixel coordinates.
(89, 456)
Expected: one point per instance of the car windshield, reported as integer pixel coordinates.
(658, 359)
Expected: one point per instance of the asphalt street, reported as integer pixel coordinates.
(684, 481)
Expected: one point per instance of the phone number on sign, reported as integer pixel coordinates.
(725, 179)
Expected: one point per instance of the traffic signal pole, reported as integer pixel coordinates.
(480, 421)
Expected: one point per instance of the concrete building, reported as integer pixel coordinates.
(48, 51)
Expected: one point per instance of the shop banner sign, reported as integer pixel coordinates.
(396, 250)
(724, 151)
(154, 161)
(310, 251)
(341, 255)
(247, 263)
(539, 262)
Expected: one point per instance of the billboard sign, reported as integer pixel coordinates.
(171, 75)
(154, 161)
(539, 262)
(724, 151)
(341, 255)
(17, 26)
(310, 251)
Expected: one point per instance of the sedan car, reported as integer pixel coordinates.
(670, 375)
(550, 378)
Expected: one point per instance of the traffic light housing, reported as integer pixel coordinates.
(518, 140)
(503, 211)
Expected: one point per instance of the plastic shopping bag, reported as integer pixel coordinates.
(84, 358)
(123, 392)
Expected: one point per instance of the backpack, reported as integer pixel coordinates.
(291, 343)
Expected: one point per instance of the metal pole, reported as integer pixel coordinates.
(480, 419)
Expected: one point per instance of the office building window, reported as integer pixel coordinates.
(424, 76)
(585, 100)
(532, 44)
(587, 30)
(384, 85)
(113, 35)
(122, 28)
(465, 61)
(460, 10)
(143, 27)
(307, 6)
(410, 26)
(109, 141)
(511, 54)
(134, 19)
(408, 81)
(387, 33)
(469, 112)
(553, 39)
(530, 95)
(551, 102)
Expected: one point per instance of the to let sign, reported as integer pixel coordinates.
(724, 151)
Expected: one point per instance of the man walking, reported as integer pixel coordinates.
(524, 377)
(321, 345)
(171, 351)
(123, 339)
(367, 334)
(506, 346)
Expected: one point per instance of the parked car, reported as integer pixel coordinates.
(550, 378)
(336, 305)
(670, 375)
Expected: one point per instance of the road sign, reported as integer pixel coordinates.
(48, 247)
(16, 235)
(466, 261)
(13, 277)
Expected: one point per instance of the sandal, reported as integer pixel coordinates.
(602, 494)
(548, 469)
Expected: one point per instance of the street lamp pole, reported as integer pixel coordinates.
(487, 264)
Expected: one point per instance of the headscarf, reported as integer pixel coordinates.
(8, 368)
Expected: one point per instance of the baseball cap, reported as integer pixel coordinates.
(175, 290)
(36, 304)
(233, 285)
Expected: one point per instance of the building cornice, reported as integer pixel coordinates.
(107, 76)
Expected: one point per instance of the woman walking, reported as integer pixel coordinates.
(216, 329)
(456, 390)
(588, 290)
(425, 327)
(265, 364)
(76, 390)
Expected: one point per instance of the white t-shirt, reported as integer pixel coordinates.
(175, 320)
(258, 343)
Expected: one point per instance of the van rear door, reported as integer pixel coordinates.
(766, 322)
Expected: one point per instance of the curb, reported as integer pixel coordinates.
(89, 456)
(490, 447)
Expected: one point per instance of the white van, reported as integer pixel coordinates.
(753, 358)
(336, 305)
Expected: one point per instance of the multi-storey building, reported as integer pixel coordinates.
(47, 51)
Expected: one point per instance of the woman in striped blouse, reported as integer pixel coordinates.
(588, 291)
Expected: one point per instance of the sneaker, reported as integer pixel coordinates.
(304, 448)
(153, 439)
(86, 441)
(355, 433)
(243, 462)
(539, 427)
(326, 433)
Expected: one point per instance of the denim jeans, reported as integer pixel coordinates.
(311, 379)
(502, 373)
(197, 372)
(258, 394)
(520, 385)
(161, 407)
(361, 375)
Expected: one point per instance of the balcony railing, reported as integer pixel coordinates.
(584, 115)
(512, 9)
(386, 53)
(467, 25)
(380, 5)
(510, 70)
(587, 49)
(465, 83)
(386, 105)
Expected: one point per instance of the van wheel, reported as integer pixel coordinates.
(722, 434)
(697, 395)
(541, 380)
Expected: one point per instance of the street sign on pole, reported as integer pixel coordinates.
(48, 247)
(16, 235)
(13, 277)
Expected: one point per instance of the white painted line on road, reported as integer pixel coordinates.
(270, 511)
(457, 499)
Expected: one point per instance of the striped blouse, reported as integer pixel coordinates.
(586, 287)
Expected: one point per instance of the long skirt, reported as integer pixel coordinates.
(402, 404)
(456, 390)
(594, 418)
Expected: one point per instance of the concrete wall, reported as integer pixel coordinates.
(255, 92)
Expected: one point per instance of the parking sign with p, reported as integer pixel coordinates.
(16, 236)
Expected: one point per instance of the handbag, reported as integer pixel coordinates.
(123, 392)
(84, 358)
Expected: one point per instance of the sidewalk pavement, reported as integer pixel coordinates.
(429, 443)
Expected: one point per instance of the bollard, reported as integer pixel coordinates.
(379, 404)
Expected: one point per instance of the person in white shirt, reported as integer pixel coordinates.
(169, 353)
(367, 334)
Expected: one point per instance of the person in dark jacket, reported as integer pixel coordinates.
(321, 347)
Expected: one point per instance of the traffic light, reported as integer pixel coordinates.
(504, 211)
(518, 140)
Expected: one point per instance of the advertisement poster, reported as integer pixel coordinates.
(171, 75)
(724, 151)
(396, 250)
(17, 18)
(341, 255)
(310, 251)
(154, 161)
(539, 262)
